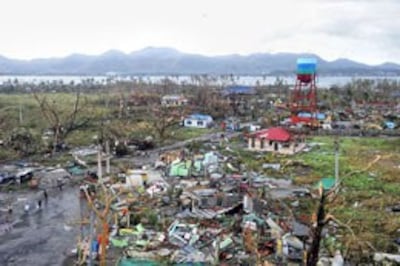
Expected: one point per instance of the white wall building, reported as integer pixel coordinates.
(198, 121)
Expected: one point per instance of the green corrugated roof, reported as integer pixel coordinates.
(327, 183)
(144, 262)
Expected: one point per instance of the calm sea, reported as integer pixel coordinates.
(322, 81)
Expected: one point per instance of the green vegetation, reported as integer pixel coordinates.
(179, 133)
(370, 171)
(101, 114)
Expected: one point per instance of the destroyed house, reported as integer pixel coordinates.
(180, 168)
(185, 168)
(173, 100)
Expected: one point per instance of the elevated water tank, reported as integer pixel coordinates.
(306, 68)
(306, 65)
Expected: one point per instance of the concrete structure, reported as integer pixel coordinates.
(275, 139)
(198, 121)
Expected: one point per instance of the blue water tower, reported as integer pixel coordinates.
(306, 69)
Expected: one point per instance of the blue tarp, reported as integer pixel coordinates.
(390, 125)
(239, 89)
(95, 246)
(305, 115)
(321, 116)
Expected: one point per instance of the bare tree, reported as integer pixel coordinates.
(62, 122)
(211, 102)
(143, 97)
(102, 210)
(163, 118)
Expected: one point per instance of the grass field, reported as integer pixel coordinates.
(370, 172)
(103, 120)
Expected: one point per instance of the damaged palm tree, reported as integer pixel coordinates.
(320, 220)
(62, 122)
(316, 230)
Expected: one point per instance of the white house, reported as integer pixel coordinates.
(198, 121)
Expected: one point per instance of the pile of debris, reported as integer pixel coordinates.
(204, 208)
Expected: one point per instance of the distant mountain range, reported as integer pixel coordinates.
(154, 61)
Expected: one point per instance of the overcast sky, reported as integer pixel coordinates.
(363, 30)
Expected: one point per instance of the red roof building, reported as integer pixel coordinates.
(275, 139)
(274, 134)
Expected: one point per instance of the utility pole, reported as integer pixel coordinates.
(108, 157)
(216, 252)
(99, 165)
(82, 218)
(91, 232)
(20, 114)
(336, 145)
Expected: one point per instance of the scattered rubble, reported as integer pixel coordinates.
(194, 206)
(204, 208)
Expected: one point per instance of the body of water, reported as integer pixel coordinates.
(322, 81)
